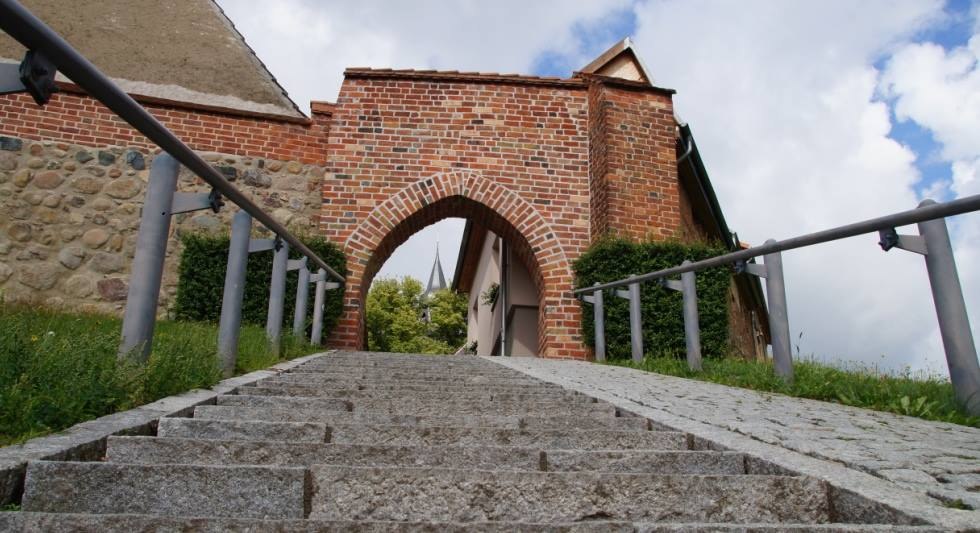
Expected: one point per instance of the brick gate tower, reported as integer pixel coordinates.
(548, 164)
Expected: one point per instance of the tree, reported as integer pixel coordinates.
(447, 317)
(394, 318)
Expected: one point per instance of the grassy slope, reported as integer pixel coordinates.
(58, 369)
(930, 398)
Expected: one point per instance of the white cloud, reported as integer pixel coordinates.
(308, 43)
(940, 91)
(782, 97)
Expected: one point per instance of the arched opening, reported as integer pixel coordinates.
(465, 194)
(494, 253)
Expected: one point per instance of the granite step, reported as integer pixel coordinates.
(411, 378)
(263, 389)
(421, 373)
(196, 428)
(170, 490)
(310, 380)
(451, 495)
(270, 414)
(457, 405)
(483, 436)
(89, 523)
(286, 402)
(155, 450)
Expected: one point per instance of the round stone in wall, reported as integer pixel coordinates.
(124, 188)
(79, 286)
(5, 272)
(95, 238)
(106, 263)
(20, 231)
(23, 177)
(8, 161)
(40, 277)
(48, 179)
(71, 257)
(112, 289)
(86, 185)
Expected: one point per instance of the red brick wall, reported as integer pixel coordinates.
(78, 119)
(598, 161)
(635, 168)
(519, 150)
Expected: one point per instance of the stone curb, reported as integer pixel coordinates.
(86, 441)
(851, 490)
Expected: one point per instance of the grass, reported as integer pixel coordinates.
(927, 397)
(58, 369)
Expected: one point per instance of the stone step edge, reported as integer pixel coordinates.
(244, 413)
(85, 441)
(35, 521)
(543, 464)
(329, 429)
(380, 404)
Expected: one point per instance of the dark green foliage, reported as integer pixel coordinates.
(611, 259)
(202, 275)
(856, 384)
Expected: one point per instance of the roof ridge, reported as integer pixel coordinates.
(450, 74)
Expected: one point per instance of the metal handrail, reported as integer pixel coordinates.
(903, 218)
(932, 242)
(34, 34)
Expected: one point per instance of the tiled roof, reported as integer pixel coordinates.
(455, 75)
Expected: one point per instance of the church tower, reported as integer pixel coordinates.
(437, 280)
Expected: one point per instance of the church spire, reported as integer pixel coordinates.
(437, 280)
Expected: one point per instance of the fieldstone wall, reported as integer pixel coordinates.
(69, 216)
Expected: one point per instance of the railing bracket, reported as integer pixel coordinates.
(186, 202)
(889, 238)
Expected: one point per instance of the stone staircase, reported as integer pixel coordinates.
(380, 442)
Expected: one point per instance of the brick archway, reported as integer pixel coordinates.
(465, 194)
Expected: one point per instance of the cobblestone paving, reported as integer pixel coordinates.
(938, 459)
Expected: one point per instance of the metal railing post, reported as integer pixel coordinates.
(139, 318)
(692, 327)
(947, 296)
(687, 286)
(231, 299)
(316, 336)
(954, 323)
(277, 294)
(782, 352)
(600, 323)
(636, 320)
(302, 293)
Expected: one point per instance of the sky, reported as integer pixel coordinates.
(808, 115)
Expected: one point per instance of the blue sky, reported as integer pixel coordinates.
(952, 32)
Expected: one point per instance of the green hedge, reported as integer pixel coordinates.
(202, 281)
(611, 259)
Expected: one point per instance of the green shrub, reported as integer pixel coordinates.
(611, 259)
(202, 280)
